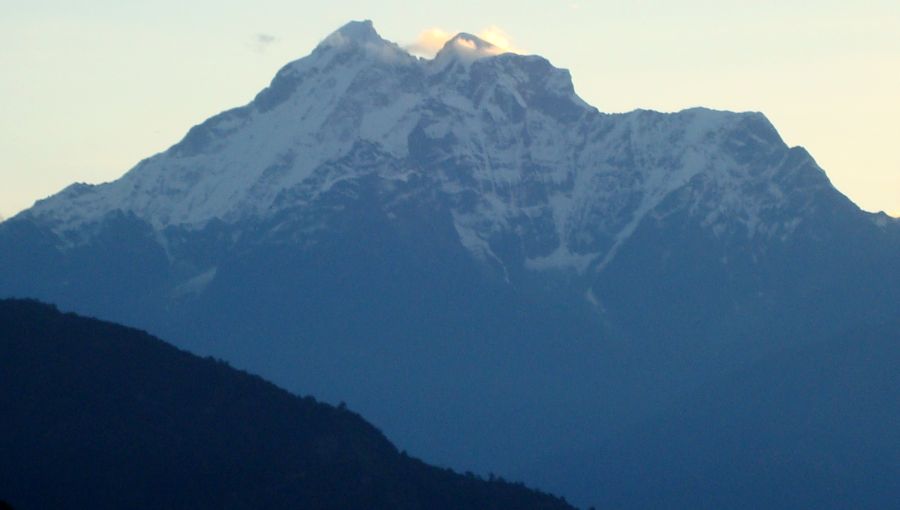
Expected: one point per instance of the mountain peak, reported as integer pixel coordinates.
(358, 32)
(359, 38)
(471, 42)
(358, 90)
(465, 48)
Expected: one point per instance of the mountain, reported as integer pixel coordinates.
(814, 425)
(101, 416)
(490, 269)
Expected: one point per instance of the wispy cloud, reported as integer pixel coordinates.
(499, 38)
(431, 40)
(261, 42)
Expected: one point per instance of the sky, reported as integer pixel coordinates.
(89, 88)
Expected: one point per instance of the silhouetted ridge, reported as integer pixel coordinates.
(96, 415)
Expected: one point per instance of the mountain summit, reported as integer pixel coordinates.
(505, 141)
(362, 32)
(496, 273)
(464, 48)
(355, 88)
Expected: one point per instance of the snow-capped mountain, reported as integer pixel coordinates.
(503, 138)
(465, 240)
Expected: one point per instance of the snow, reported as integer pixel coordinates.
(562, 259)
(354, 31)
(465, 49)
(195, 285)
(582, 183)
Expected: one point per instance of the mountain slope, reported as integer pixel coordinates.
(465, 239)
(814, 426)
(101, 416)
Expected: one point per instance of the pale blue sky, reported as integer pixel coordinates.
(89, 88)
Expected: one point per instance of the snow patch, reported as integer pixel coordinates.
(562, 259)
(196, 285)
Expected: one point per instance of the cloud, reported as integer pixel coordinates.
(261, 42)
(431, 40)
(499, 38)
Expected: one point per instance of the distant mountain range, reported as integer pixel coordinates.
(96, 415)
(497, 274)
